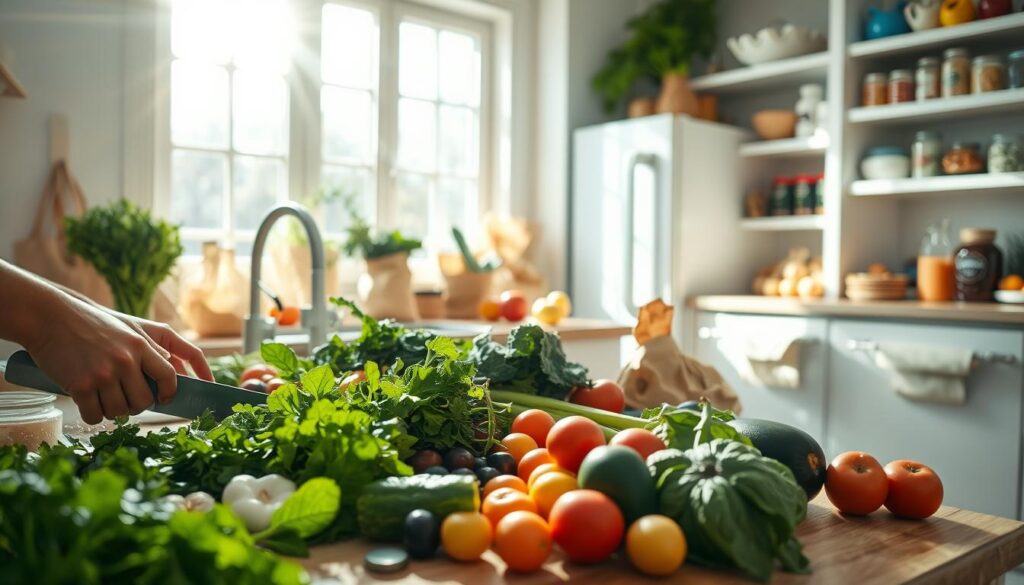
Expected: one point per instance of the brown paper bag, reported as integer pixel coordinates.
(46, 253)
(291, 278)
(466, 290)
(385, 291)
(214, 305)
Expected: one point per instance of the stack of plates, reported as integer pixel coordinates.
(862, 286)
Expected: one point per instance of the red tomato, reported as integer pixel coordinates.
(856, 484)
(642, 441)
(605, 394)
(915, 490)
(571, 439)
(534, 422)
(256, 372)
(514, 308)
(587, 525)
(274, 384)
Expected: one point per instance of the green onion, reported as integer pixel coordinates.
(560, 409)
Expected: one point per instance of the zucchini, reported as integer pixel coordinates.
(383, 505)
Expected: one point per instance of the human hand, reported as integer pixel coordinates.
(172, 346)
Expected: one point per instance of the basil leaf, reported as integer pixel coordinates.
(281, 357)
(308, 511)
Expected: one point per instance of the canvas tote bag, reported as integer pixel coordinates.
(45, 251)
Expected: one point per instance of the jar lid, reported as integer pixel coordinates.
(805, 179)
(977, 235)
(955, 52)
(957, 145)
(874, 77)
(926, 135)
(992, 59)
(886, 151)
(901, 73)
(783, 180)
(24, 399)
(928, 62)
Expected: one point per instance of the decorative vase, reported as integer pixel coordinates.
(956, 12)
(886, 23)
(385, 289)
(922, 14)
(640, 107)
(676, 96)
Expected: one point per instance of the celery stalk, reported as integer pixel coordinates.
(562, 409)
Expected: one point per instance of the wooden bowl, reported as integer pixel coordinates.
(774, 124)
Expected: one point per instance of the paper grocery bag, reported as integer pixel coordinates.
(385, 291)
(466, 289)
(44, 251)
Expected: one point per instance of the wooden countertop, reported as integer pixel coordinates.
(953, 547)
(985, 313)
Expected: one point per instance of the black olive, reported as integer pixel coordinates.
(486, 474)
(424, 459)
(422, 534)
(457, 458)
(479, 462)
(436, 470)
(505, 463)
(463, 471)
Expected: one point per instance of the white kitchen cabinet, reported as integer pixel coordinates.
(975, 448)
(722, 342)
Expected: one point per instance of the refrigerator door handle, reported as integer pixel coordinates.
(639, 159)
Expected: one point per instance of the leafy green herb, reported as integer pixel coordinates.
(283, 358)
(469, 259)
(362, 241)
(531, 362)
(682, 428)
(129, 249)
(306, 513)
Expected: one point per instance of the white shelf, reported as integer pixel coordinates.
(797, 70)
(785, 223)
(949, 185)
(810, 146)
(1009, 27)
(954, 108)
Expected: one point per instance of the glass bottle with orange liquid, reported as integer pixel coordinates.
(936, 277)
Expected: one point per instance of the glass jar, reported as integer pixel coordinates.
(936, 279)
(988, 73)
(804, 195)
(819, 194)
(925, 154)
(963, 158)
(29, 419)
(956, 72)
(979, 265)
(901, 86)
(781, 200)
(1004, 155)
(1015, 69)
(926, 79)
(876, 89)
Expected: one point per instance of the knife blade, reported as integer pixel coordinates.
(194, 396)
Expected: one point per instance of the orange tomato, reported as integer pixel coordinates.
(534, 422)
(915, 490)
(489, 310)
(466, 535)
(642, 441)
(543, 469)
(509, 481)
(531, 461)
(523, 541)
(856, 484)
(571, 439)
(286, 316)
(518, 444)
(503, 501)
(548, 487)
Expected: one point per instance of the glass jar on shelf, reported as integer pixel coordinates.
(1015, 69)
(29, 419)
(988, 73)
(782, 198)
(956, 72)
(804, 195)
(926, 154)
(819, 194)
(901, 86)
(876, 89)
(936, 276)
(963, 158)
(926, 79)
(1004, 154)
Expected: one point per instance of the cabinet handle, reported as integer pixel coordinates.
(986, 356)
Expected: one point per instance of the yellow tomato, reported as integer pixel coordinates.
(546, 314)
(542, 469)
(656, 545)
(1011, 282)
(518, 444)
(561, 300)
(466, 535)
(550, 486)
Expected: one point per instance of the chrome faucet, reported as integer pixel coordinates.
(314, 318)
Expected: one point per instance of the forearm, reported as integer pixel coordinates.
(29, 304)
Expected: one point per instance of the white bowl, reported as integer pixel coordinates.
(772, 44)
(885, 166)
(1010, 296)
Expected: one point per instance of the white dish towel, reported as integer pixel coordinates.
(772, 362)
(926, 372)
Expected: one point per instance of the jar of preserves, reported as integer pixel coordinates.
(781, 200)
(1004, 154)
(804, 195)
(979, 265)
(963, 158)
(926, 79)
(876, 89)
(819, 194)
(1015, 69)
(925, 154)
(956, 72)
(901, 86)
(29, 419)
(988, 73)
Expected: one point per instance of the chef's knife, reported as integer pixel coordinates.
(194, 396)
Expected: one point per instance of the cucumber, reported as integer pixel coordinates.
(382, 507)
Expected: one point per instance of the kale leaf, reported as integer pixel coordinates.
(532, 361)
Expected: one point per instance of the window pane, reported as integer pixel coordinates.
(348, 46)
(456, 207)
(263, 31)
(197, 188)
(417, 132)
(348, 123)
(417, 61)
(458, 148)
(412, 204)
(348, 182)
(460, 76)
(198, 29)
(199, 105)
(259, 184)
(261, 104)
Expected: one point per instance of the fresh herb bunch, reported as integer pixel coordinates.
(532, 362)
(132, 251)
(683, 428)
(362, 241)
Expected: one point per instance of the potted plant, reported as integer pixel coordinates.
(663, 41)
(468, 279)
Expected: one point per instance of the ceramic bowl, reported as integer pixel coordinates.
(1010, 296)
(772, 44)
(774, 124)
(885, 162)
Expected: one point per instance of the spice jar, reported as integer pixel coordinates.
(988, 73)
(956, 72)
(962, 158)
(1004, 155)
(29, 419)
(925, 154)
(804, 195)
(901, 86)
(876, 89)
(781, 200)
(819, 194)
(926, 79)
(979, 265)
(1015, 69)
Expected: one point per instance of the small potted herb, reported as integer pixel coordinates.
(468, 279)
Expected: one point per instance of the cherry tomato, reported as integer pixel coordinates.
(550, 486)
(518, 444)
(587, 525)
(571, 439)
(915, 490)
(534, 422)
(656, 545)
(546, 468)
(266, 378)
(256, 372)
(489, 310)
(514, 308)
(466, 535)
(642, 441)
(254, 385)
(855, 483)
(605, 394)
(509, 481)
(274, 384)
(531, 461)
(504, 500)
(523, 541)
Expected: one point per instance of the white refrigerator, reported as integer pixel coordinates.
(655, 212)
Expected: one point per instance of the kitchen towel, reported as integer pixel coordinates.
(926, 372)
(659, 373)
(772, 362)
